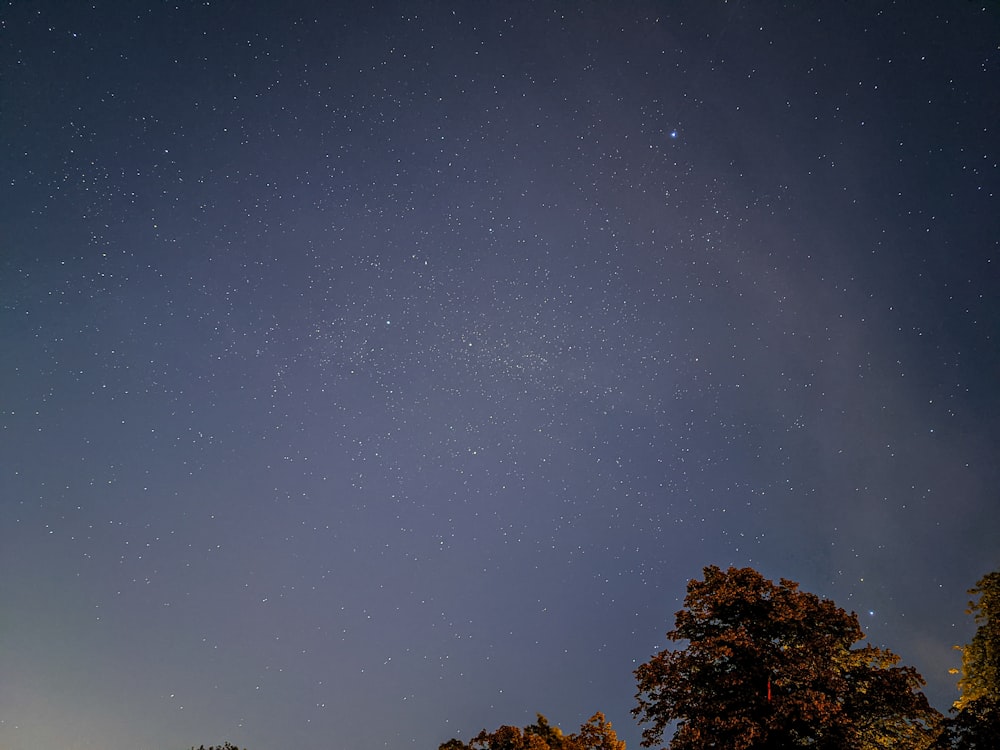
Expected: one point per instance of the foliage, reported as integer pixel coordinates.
(975, 724)
(595, 734)
(769, 666)
(981, 657)
(227, 746)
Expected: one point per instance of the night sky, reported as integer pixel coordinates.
(371, 376)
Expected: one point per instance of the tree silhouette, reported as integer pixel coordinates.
(768, 666)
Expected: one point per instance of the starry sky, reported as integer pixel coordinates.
(374, 375)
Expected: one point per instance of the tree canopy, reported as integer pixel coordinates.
(595, 734)
(768, 666)
(976, 721)
(981, 657)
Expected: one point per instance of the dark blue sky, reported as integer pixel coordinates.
(374, 376)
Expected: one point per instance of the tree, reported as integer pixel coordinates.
(227, 746)
(975, 724)
(768, 666)
(595, 734)
(981, 657)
